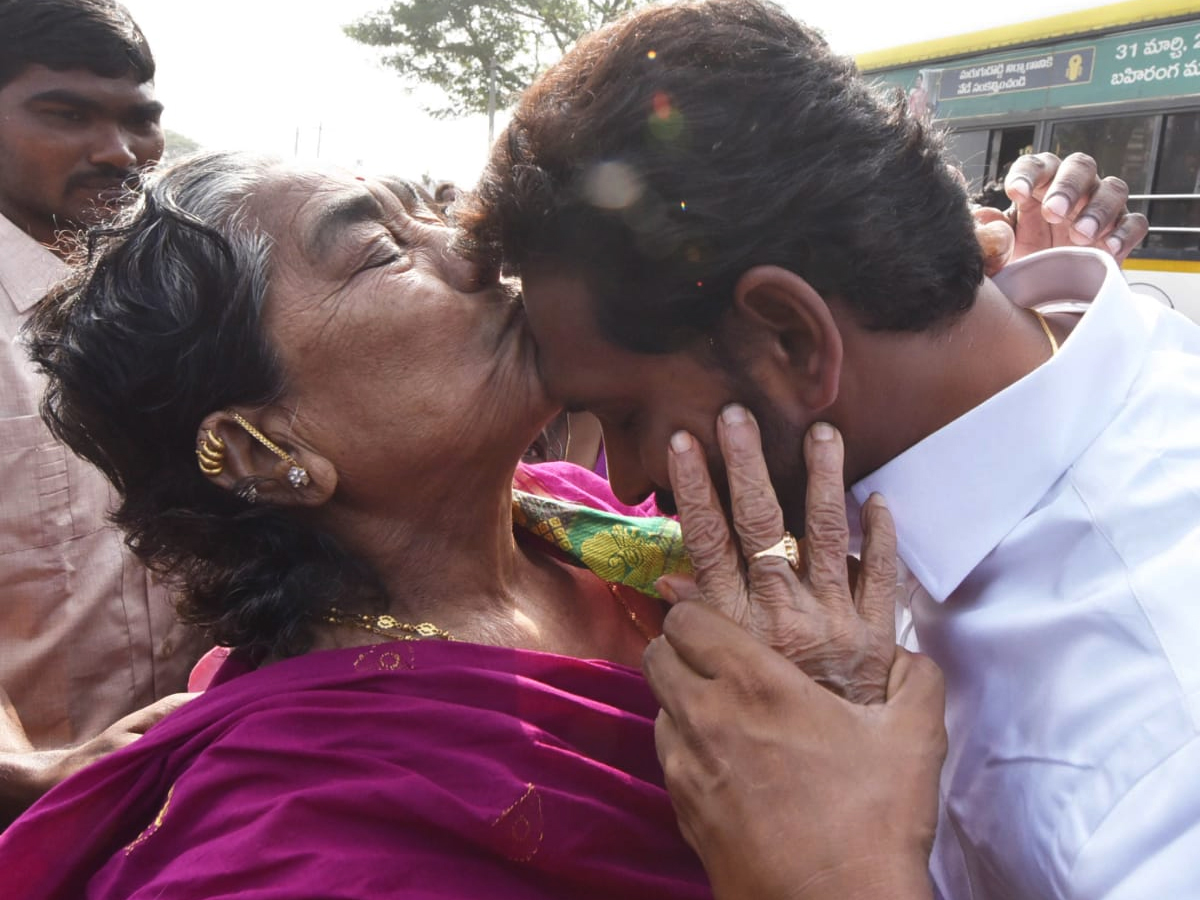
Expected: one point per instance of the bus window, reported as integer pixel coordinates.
(1121, 146)
(969, 150)
(984, 157)
(1178, 174)
(1008, 145)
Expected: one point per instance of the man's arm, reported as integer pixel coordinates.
(26, 773)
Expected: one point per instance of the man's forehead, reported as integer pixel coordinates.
(559, 301)
(37, 79)
(559, 309)
(577, 362)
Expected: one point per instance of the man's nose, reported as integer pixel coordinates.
(112, 146)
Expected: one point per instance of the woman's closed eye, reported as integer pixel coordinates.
(384, 251)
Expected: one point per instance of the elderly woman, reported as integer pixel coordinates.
(313, 410)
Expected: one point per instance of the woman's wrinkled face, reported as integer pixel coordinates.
(402, 357)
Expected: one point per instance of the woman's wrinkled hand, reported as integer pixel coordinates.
(836, 624)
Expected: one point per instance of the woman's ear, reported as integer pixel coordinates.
(799, 344)
(232, 456)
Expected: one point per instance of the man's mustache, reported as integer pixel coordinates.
(105, 178)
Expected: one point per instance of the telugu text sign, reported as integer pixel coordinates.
(1135, 65)
(1025, 73)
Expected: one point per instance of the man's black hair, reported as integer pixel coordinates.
(98, 35)
(679, 147)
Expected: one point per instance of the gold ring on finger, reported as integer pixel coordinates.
(788, 548)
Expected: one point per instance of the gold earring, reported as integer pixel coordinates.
(211, 454)
(297, 475)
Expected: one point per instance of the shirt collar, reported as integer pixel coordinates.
(958, 492)
(27, 269)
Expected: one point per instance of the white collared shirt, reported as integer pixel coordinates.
(1055, 533)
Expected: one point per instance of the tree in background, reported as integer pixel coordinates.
(177, 145)
(480, 53)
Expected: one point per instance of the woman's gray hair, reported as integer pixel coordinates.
(161, 326)
(213, 191)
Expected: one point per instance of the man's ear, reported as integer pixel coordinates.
(245, 461)
(800, 344)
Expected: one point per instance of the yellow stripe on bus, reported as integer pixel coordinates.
(1111, 16)
(1162, 265)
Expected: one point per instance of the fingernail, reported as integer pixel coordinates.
(1113, 244)
(822, 431)
(733, 414)
(1058, 205)
(1022, 187)
(681, 442)
(1088, 227)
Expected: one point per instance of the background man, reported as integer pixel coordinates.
(705, 206)
(85, 637)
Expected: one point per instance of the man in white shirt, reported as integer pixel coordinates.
(710, 211)
(1052, 602)
(1053, 532)
(86, 638)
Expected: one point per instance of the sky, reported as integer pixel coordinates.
(280, 77)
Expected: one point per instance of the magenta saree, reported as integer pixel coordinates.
(415, 770)
(573, 484)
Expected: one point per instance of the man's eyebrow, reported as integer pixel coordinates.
(339, 215)
(82, 101)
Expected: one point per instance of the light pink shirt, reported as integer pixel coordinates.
(85, 637)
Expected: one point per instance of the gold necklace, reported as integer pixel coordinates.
(388, 626)
(633, 617)
(1046, 328)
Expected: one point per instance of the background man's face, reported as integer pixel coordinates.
(69, 142)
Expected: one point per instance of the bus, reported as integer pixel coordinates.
(1120, 82)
